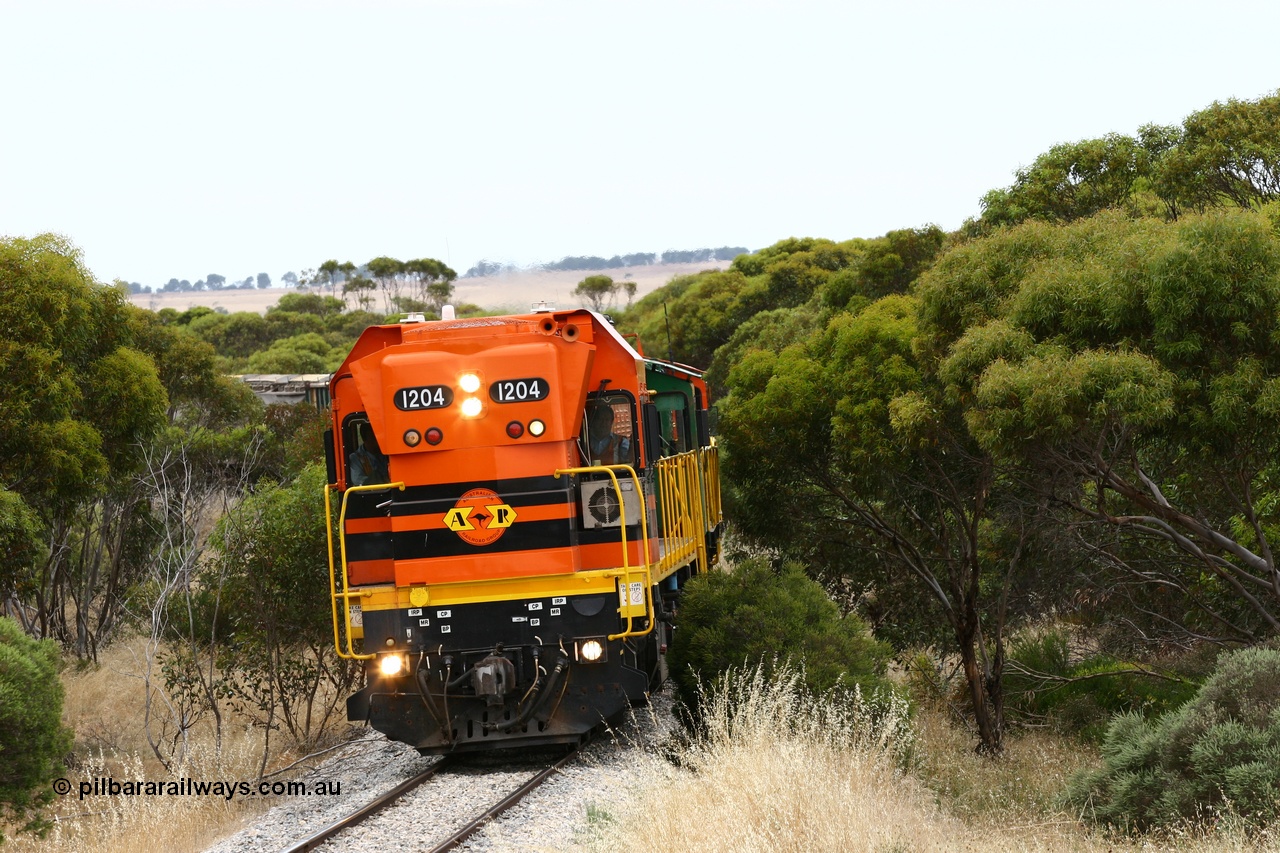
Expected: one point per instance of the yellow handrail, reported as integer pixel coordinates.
(644, 538)
(346, 595)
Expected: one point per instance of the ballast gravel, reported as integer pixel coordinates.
(555, 817)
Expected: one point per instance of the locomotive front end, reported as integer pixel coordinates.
(498, 529)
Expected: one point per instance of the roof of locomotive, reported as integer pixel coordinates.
(375, 338)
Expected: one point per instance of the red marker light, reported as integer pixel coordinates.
(515, 429)
(434, 436)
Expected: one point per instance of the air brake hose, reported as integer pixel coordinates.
(561, 667)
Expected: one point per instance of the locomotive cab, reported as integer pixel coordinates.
(510, 500)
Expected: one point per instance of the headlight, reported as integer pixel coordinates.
(390, 665)
(469, 382)
(471, 407)
(590, 651)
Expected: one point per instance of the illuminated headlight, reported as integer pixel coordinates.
(469, 383)
(590, 651)
(471, 407)
(537, 428)
(390, 665)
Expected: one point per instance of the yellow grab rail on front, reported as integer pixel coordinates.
(626, 570)
(346, 595)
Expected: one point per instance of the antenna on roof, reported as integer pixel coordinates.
(667, 320)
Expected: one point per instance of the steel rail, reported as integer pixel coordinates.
(507, 802)
(370, 808)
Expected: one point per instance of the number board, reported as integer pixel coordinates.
(423, 397)
(519, 390)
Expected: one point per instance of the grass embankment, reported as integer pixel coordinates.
(775, 771)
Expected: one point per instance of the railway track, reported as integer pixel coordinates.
(325, 835)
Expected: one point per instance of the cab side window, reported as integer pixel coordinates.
(366, 464)
(609, 430)
(673, 420)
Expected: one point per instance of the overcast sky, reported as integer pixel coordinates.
(177, 139)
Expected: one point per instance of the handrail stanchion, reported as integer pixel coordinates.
(644, 538)
(346, 595)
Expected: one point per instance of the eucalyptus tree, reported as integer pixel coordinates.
(597, 291)
(1134, 365)
(844, 451)
(79, 398)
(1227, 154)
(432, 282)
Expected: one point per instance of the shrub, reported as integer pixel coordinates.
(757, 616)
(33, 740)
(1220, 752)
(1042, 683)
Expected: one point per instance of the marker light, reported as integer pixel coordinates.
(537, 428)
(412, 437)
(515, 429)
(391, 665)
(469, 382)
(591, 650)
(471, 407)
(434, 436)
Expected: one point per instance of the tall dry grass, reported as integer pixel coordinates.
(103, 704)
(775, 770)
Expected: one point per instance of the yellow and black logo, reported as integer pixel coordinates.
(480, 517)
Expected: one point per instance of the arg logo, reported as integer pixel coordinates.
(480, 517)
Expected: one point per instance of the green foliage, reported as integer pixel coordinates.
(884, 266)
(755, 615)
(308, 303)
(1219, 752)
(1141, 357)
(1071, 181)
(1043, 684)
(1227, 154)
(294, 439)
(33, 740)
(236, 335)
(20, 534)
(771, 331)
(306, 353)
(279, 652)
(67, 342)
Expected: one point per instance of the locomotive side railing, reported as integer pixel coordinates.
(679, 500)
(645, 569)
(689, 497)
(340, 570)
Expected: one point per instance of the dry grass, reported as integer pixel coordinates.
(104, 705)
(778, 772)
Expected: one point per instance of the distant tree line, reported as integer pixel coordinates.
(213, 281)
(576, 263)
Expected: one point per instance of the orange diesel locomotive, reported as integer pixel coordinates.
(519, 501)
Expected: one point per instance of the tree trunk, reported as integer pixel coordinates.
(984, 688)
